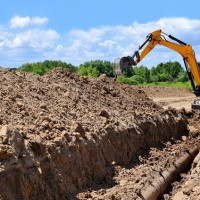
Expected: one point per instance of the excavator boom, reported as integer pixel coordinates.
(185, 50)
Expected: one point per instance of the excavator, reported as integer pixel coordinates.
(184, 49)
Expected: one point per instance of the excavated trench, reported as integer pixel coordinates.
(152, 175)
(67, 137)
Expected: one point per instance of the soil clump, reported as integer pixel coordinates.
(61, 133)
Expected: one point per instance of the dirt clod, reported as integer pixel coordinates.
(63, 136)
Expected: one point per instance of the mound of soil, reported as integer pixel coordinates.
(62, 132)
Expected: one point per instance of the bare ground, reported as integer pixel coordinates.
(67, 137)
(131, 182)
(171, 97)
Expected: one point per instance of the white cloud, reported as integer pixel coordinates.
(21, 22)
(106, 42)
(115, 41)
(93, 35)
(36, 39)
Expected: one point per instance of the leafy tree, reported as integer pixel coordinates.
(136, 79)
(43, 67)
(129, 72)
(126, 80)
(154, 75)
(166, 71)
(95, 68)
(154, 78)
(143, 72)
(182, 77)
(174, 69)
(83, 71)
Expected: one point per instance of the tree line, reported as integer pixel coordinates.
(42, 68)
(163, 72)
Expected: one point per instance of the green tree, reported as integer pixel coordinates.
(154, 75)
(136, 79)
(129, 72)
(174, 69)
(43, 67)
(166, 72)
(95, 68)
(154, 78)
(182, 77)
(143, 72)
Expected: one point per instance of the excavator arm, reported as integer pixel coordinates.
(159, 37)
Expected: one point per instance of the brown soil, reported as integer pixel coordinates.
(131, 181)
(173, 97)
(67, 137)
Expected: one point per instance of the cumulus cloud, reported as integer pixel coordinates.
(21, 22)
(124, 39)
(36, 39)
(105, 43)
(113, 41)
(93, 35)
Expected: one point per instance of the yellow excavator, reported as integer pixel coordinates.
(185, 50)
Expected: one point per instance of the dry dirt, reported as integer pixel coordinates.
(67, 137)
(171, 97)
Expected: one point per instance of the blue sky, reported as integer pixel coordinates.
(76, 31)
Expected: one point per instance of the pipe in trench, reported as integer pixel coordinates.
(160, 184)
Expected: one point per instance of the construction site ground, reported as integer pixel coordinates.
(63, 136)
(128, 181)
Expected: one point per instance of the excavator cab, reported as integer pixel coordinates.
(185, 50)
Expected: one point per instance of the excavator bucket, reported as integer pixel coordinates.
(196, 104)
(117, 65)
(122, 63)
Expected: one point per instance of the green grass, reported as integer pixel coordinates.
(186, 85)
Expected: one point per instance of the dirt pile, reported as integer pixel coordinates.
(61, 132)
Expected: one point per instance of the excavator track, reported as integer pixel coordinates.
(196, 104)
